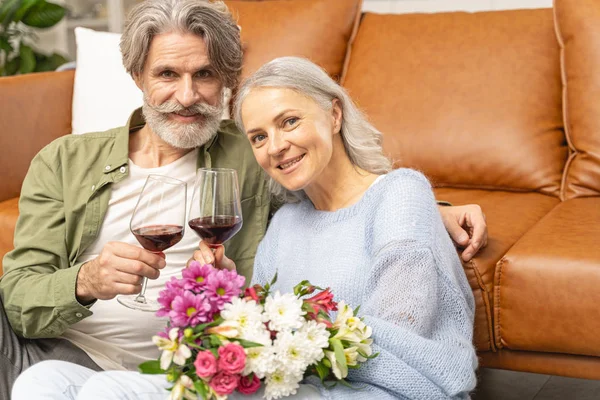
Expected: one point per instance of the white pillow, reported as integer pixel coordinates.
(104, 94)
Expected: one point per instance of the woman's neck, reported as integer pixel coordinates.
(340, 185)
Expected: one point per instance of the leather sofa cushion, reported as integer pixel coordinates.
(9, 212)
(509, 216)
(578, 33)
(34, 110)
(472, 100)
(547, 285)
(316, 29)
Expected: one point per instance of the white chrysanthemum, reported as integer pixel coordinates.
(244, 315)
(294, 351)
(284, 312)
(318, 336)
(260, 360)
(281, 383)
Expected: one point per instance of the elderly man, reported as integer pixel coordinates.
(73, 249)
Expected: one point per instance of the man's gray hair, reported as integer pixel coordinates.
(362, 140)
(211, 21)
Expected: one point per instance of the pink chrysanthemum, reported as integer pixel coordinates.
(222, 286)
(195, 276)
(190, 309)
(173, 288)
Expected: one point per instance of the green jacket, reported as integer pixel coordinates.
(62, 205)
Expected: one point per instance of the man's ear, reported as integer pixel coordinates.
(337, 115)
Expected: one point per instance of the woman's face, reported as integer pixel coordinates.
(291, 135)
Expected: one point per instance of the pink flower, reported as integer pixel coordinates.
(173, 288)
(195, 276)
(222, 286)
(224, 383)
(206, 364)
(189, 309)
(322, 302)
(232, 358)
(247, 385)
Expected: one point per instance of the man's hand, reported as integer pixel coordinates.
(118, 269)
(215, 256)
(466, 225)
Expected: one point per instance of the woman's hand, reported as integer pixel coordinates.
(215, 256)
(467, 227)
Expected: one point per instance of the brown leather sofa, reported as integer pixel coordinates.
(496, 108)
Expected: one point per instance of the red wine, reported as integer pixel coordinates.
(158, 237)
(217, 229)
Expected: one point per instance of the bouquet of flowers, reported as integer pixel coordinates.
(220, 339)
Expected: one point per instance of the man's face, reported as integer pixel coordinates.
(182, 91)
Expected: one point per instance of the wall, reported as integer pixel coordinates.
(430, 6)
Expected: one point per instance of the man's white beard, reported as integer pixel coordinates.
(178, 134)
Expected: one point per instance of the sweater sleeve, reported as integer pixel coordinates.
(415, 302)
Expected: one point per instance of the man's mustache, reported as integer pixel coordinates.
(172, 106)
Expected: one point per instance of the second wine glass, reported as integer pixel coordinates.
(215, 210)
(158, 224)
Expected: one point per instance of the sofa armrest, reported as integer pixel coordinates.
(34, 109)
(9, 212)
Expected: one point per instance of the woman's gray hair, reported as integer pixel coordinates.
(210, 20)
(362, 140)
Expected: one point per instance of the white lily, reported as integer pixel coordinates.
(173, 351)
(181, 389)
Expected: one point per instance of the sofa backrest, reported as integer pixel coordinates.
(316, 29)
(472, 100)
(35, 109)
(578, 32)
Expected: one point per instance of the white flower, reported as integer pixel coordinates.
(173, 351)
(281, 383)
(284, 312)
(181, 389)
(243, 315)
(293, 351)
(344, 312)
(260, 360)
(318, 335)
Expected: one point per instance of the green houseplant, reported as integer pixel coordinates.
(17, 17)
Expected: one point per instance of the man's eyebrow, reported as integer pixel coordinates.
(166, 67)
(278, 116)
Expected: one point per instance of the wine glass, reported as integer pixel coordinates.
(216, 211)
(157, 223)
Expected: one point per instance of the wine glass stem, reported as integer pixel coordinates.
(140, 297)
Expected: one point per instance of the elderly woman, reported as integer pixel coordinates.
(373, 235)
(348, 222)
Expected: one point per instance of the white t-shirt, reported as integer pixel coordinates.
(117, 337)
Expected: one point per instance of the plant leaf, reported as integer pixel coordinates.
(5, 45)
(48, 63)
(8, 8)
(246, 343)
(151, 367)
(323, 371)
(44, 15)
(340, 357)
(27, 59)
(24, 7)
(201, 389)
(12, 66)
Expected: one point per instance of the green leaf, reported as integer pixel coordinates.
(215, 341)
(340, 357)
(151, 367)
(8, 8)
(247, 344)
(5, 45)
(44, 15)
(201, 389)
(12, 66)
(323, 371)
(48, 63)
(356, 310)
(24, 8)
(27, 60)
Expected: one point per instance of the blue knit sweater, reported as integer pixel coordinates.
(391, 254)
